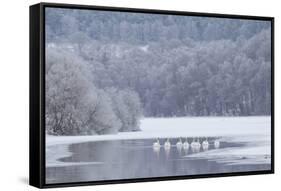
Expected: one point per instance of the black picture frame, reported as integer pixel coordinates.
(37, 94)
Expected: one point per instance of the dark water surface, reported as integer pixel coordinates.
(137, 159)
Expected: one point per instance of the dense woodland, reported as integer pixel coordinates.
(105, 70)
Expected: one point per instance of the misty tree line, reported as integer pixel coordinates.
(106, 68)
(66, 25)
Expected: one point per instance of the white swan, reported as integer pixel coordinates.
(194, 146)
(205, 144)
(185, 144)
(156, 144)
(167, 144)
(156, 147)
(179, 144)
(198, 143)
(193, 143)
(217, 144)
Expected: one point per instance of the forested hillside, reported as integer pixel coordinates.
(114, 67)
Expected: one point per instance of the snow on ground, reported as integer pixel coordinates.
(254, 130)
(241, 155)
(257, 150)
(206, 126)
(180, 127)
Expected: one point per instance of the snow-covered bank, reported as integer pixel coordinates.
(258, 152)
(180, 127)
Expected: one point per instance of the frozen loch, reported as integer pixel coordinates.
(244, 145)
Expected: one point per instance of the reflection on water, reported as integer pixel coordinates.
(139, 159)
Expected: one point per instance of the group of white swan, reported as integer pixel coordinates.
(195, 145)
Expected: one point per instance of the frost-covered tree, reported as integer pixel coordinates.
(98, 116)
(73, 104)
(165, 65)
(127, 107)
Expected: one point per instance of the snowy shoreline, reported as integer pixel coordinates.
(179, 127)
(256, 151)
(255, 130)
